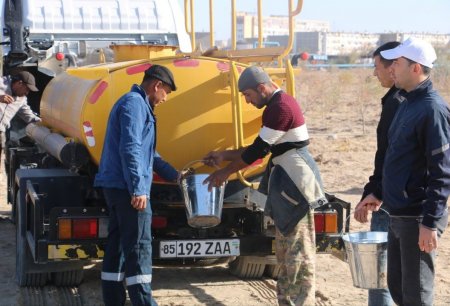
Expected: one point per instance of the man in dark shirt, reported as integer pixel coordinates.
(372, 190)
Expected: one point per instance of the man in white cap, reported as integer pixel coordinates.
(416, 175)
(294, 188)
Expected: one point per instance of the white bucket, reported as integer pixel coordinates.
(203, 207)
(367, 257)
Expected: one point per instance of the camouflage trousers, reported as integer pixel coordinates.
(296, 255)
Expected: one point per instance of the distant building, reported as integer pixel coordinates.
(345, 43)
(329, 43)
(315, 37)
(247, 25)
(437, 40)
(202, 40)
(337, 43)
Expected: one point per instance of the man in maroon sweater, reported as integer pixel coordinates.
(294, 188)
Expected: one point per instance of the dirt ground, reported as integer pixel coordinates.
(341, 109)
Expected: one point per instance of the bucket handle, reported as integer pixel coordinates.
(349, 215)
(194, 162)
(342, 255)
(185, 169)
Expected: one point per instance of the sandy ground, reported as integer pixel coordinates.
(342, 109)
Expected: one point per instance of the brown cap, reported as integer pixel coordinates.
(161, 73)
(28, 79)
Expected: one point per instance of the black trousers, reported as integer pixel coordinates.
(410, 271)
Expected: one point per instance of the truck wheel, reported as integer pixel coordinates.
(67, 278)
(23, 254)
(248, 266)
(272, 271)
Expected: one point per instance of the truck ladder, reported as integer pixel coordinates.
(247, 56)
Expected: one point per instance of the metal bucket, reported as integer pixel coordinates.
(203, 207)
(367, 257)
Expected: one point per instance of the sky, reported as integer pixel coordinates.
(371, 16)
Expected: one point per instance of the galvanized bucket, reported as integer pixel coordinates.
(203, 207)
(367, 257)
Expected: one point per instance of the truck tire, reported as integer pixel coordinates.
(273, 271)
(67, 278)
(23, 254)
(248, 266)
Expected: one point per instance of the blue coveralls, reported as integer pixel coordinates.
(126, 168)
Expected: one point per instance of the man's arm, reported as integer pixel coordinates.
(27, 115)
(132, 121)
(240, 159)
(436, 139)
(164, 169)
(215, 158)
(388, 110)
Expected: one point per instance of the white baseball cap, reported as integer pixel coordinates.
(415, 49)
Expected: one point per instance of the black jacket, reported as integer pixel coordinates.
(389, 104)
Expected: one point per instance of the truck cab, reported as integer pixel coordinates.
(57, 34)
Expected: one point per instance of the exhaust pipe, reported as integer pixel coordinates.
(13, 22)
(70, 154)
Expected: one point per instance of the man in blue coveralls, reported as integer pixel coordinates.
(125, 175)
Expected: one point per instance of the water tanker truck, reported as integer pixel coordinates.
(61, 219)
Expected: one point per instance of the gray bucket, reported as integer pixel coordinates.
(203, 207)
(367, 257)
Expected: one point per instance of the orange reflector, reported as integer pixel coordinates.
(64, 228)
(84, 228)
(331, 225)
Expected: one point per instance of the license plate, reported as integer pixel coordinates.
(199, 248)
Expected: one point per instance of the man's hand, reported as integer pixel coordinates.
(213, 158)
(427, 239)
(6, 99)
(216, 178)
(139, 202)
(369, 203)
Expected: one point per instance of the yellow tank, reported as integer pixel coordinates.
(196, 119)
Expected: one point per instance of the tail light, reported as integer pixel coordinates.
(159, 222)
(83, 228)
(326, 221)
